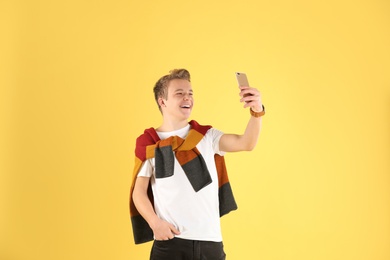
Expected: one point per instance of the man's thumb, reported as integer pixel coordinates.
(174, 230)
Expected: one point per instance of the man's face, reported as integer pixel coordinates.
(179, 100)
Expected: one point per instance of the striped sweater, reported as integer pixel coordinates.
(149, 145)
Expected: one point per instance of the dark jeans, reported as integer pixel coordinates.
(183, 249)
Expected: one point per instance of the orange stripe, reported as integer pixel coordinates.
(221, 169)
(185, 156)
(150, 151)
(192, 140)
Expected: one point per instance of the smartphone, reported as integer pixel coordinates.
(242, 79)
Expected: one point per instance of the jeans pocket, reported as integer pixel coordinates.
(160, 250)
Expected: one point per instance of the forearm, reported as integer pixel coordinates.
(248, 140)
(251, 134)
(143, 203)
(162, 230)
(251, 98)
(244, 142)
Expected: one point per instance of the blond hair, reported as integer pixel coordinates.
(161, 87)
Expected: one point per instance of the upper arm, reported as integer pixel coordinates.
(231, 143)
(141, 184)
(140, 188)
(143, 178)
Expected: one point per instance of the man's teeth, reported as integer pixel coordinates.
(186, 106)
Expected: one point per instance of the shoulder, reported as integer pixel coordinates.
(200, 128)
(206, 130)
(149, 137)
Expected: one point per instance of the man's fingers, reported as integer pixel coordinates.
(174, 230)
(249, 92)
(250, 98)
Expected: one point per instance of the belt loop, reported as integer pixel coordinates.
(196, 250)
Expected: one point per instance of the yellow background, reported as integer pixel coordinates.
(76, 90)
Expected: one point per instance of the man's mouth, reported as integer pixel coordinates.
(186, 106)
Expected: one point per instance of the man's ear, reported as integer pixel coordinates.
(161, 102)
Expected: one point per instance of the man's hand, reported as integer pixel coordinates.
(163, 230)
(251, 97)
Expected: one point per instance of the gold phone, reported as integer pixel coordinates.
(242, 79)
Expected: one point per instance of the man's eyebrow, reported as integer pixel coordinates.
(180, 89)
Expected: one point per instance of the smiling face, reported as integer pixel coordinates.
(179, 102)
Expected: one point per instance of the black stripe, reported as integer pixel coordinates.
(164, 161)
(197, 173)
(226, 199)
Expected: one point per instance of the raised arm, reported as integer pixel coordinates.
(247, 141)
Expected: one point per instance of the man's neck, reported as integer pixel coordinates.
(169, 126)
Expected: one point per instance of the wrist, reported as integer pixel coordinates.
(154, 222)
(257, 113)
(257, 109)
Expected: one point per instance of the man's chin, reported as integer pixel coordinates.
(186, 115)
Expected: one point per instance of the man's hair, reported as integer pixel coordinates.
(161, 87)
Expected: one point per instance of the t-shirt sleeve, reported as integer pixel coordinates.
(215, 136)
(147, 169)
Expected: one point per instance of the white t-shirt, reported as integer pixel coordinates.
(194, 214)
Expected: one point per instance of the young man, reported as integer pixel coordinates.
(180, 187)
